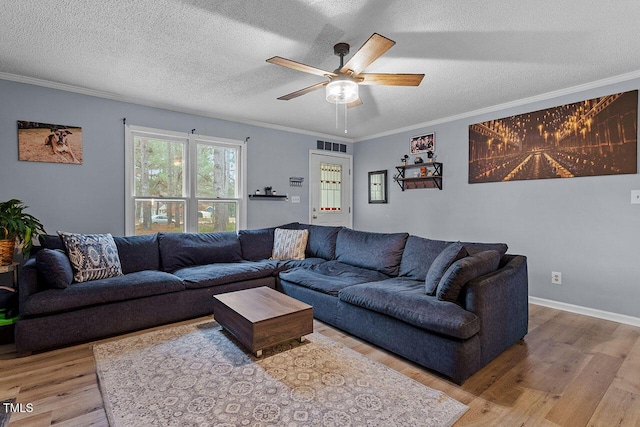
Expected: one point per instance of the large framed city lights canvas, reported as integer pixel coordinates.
(594, 137)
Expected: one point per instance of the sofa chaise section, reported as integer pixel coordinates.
(455, 337)
(406, 300)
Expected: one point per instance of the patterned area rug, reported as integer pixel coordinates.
(197, 375)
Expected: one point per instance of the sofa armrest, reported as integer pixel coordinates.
(28, 281)
(501, 301)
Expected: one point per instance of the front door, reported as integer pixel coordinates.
(330, 189)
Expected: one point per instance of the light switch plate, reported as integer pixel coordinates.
(635, 197)
(295, 199)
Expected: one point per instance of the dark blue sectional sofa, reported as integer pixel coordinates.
(371, 285)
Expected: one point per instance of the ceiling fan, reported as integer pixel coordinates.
(342, 86)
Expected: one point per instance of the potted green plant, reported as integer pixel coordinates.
(16, 226)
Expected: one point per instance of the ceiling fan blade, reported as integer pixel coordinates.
(371, 50)
(354, 103)
(303, 91)
(284, 62)
(390, 79)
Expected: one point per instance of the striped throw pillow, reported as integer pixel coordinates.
(289, 244)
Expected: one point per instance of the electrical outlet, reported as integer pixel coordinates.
(295, 199)
(556, 278)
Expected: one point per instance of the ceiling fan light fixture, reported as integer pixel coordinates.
(342, 91)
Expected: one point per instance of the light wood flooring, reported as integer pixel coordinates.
(570, 370)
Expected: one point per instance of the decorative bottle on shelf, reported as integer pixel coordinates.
(258, 192)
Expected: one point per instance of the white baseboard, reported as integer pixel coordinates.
(606, 315)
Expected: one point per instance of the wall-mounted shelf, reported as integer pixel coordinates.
(268, 196)
(433, 179)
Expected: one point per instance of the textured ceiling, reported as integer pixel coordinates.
(209, 57)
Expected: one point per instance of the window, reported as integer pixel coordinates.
(330, 187)
(183, 182)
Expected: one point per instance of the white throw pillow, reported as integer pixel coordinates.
(289, 244)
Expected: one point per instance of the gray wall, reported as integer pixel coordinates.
(584, 228)
(90, 198)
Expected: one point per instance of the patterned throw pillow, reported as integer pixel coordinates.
(92, 256)
(289, 244)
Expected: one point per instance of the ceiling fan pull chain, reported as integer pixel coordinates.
(345, 118)
(336, 114)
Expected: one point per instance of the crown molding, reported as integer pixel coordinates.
(518, 103)
(115, 97)
(492, 109)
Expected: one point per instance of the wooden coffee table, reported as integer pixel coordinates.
(262, 317)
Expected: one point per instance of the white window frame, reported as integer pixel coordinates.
(190, 173)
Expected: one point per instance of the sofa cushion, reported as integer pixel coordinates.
(55, 267)
(85, 294)
(464, 270)
(322, 241)
(204, 276)
(289, 244)
(284, 265)
(256, 244)
(439, 266)
(404, 299)
(179, 250)
(138, 253)
(331, 276)
(51, 241)
(92, 256)
(477, 247)
(419, 253)
(376, 251)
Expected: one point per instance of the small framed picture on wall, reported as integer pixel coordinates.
(423, 143)
(378, 186)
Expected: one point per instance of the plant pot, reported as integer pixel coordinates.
(7, 248)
